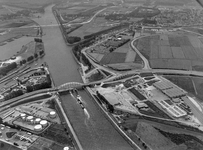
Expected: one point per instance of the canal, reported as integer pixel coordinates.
(94, 131)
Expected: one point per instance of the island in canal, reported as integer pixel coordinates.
(118, 75)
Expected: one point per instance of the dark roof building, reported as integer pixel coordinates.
(169, 89)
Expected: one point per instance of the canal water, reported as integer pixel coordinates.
(94, 131)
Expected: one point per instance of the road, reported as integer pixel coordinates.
(88, 21)
(146, 62)
(96, 133)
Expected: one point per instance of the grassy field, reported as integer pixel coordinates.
(6, 146)
(172, 51)
(121, 58)
(16, 28)
(160, 136)
(196, 30)
(98, 24)
(29, 3)
(12, 48)
(198, 82)
(152, 137)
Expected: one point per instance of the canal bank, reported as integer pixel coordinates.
(94, 132)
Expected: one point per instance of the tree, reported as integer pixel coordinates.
(41, 52)
(73, 39)
(2, 145)
(30, 58)
(29, 88)
(36, 55)
(24, 61)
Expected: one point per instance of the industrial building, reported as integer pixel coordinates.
(169, 89)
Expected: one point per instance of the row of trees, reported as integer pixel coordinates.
(38, 40)
(13, 94)
(42, 84)
(77, 48)
(86, 61)
(103, 100)
(8, 68)
(30, 58)
(73, 39)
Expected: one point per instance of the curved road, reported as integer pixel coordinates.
(96, 132)
(146, 62)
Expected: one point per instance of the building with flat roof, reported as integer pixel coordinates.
(169, 88)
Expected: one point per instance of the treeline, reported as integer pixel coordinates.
(38, 40)
(43, 83)
(73, 39)
(86, 61)
(107, 30)
(104, 101)
(77, 48)
(116, 17)
(8, 68)
(72, 29)
(149, 21)
(13, 93)
(142, 13)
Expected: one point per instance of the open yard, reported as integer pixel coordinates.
(172, 51)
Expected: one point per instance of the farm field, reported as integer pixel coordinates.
(96, 25)
(33, 4)
(13, 47)
(118, 10)
(162, 136)
(121, 58)
(75, 9)
(15, 29)
(196, 30)
(4, 11)
(172, 51)
(12, 23)
(17, 33)
(152, 137)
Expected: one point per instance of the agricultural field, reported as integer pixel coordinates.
(195, 30)
(74, 9)
(173, 2)
(172, 51)
(28, 3)
(11, 48)
(15, 29)
(79, 13)
(160, 136)
(117, 10)
(96, 25)
(121, 58)
(4, 11)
